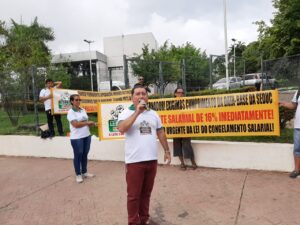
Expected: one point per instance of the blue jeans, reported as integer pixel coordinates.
(297, 142)
(81, 148)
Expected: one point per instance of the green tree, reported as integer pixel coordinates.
(196, 65)
(218, 67)
(59, 73)
(285, 29)
(171, 58)
(239, 48)
(252, 57)
(23, 47)
(282, 38)
(146, 65)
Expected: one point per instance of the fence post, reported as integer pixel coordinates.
(210, 71)
(262, 71)
(125, 70)
(36, 113)
(110, 78)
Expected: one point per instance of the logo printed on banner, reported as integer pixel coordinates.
(112, 123)
(64, 101)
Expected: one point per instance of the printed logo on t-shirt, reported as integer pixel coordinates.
(145, 128)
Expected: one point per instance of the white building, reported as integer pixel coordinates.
(130, 45)
(115, 48)
(80, 61)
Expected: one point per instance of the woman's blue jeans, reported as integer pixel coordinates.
(81, 148)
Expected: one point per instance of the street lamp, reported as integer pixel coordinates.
(89, 42)
(234, 40)
(226, 45)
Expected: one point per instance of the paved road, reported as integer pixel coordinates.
(41, 191)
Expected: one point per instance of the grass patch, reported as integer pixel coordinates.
(28, 120)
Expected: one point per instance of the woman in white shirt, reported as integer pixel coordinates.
(80, 137)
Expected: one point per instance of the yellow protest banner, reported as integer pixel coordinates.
(241, 114)
(61, 99)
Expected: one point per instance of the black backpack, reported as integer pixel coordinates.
(45, 134)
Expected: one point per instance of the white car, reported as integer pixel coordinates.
(254, 79)
(116, 85)
(234, 82)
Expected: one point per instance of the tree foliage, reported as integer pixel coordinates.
(23, 46)
(170, 58)
(280, 39)
(252, 57)
(238, 48)
(285, 29)
(59, 73)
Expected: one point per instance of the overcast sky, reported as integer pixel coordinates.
(197, 21)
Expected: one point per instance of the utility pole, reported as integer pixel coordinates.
(91, 74)
(234, 73)
(226, 45)
(33, 72)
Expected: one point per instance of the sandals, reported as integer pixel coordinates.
(182, 167)
(194, 167)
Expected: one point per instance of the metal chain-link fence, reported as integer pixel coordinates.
(164, 76)
(284, 71)
(22, 113)
(20, 109)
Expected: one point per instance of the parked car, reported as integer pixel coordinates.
(255, 79)
(234, 82)
(116, 86)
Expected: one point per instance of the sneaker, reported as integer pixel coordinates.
(79, 179)
(88, 175)
(294, 174)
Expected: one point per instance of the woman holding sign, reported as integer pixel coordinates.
(182, 147)
(80, 137)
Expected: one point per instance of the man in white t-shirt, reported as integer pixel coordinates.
(141, 126)
(45, 97)
(294, 104)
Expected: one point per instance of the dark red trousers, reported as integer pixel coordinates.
(140, 180)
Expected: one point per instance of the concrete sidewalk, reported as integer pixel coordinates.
(40, 191)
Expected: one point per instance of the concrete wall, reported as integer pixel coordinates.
(217, 154)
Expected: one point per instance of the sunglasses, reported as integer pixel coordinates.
(180, 92)
(140, 79)
(77, 100)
